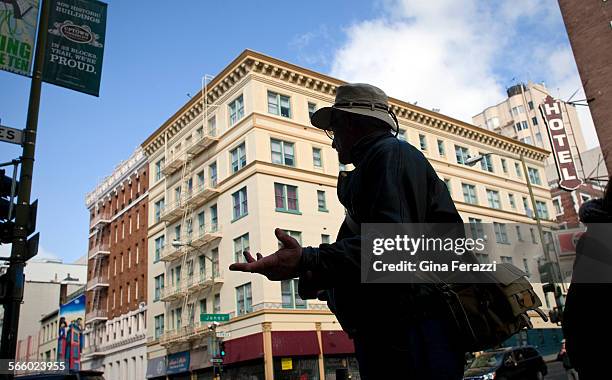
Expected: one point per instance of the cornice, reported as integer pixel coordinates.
(250, 61)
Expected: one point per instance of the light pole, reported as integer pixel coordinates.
(471, 161)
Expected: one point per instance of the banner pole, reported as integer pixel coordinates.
(15, 276)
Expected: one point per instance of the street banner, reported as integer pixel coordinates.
(559, 141)
(75, 45)
(18, 19)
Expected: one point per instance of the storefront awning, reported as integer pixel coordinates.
(156, 367)
(244, 348)
(295, 343)
(336, 342)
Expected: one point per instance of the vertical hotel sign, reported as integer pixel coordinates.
(75, 45)
(566, 168)
(18, 20)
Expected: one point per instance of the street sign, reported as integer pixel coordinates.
(214, 317)
(216, 360)
(11, 135)
(223, 334)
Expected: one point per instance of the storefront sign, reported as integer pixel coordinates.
(156, 367)
(178, 362)
(286, 364)
(75, 45)
(559, 141)
(18, 21)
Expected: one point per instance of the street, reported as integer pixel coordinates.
(555, 371)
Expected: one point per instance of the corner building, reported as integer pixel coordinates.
(241, 159)
(115, 319)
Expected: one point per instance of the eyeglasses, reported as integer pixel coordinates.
(329, 133)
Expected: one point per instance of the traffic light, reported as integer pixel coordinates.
(221, 349)
(7, 207)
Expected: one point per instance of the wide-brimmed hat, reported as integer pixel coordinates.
(358, 98)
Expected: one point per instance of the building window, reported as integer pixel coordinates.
(534, 120)
(528, 211)
(297, 235)
(504, 165)
(441, 149)
(312, 108)
(200, 179)
(317, 160)
(542, 210)
(159, 166)
(214, 225)
(244, 299)
(492, 123)
(214, 254)
(423, 142)
(517, 110)
(290, 296)
(159, 246)
(493, 198)
(521, 126)
(282, 152)
(557, 205)
(476, 228)
(241, 244)
(512, 201)
(486, 163)
(506, 259)
(517, 169)
(201, 222)
(236, 110)
(462, 154)
(321, 200)
(238, 157)
(501, 235)
(533, 235)
(158, 207)
(325, 239)
(240, 204)
(203, 306)
(469, 193)
(519, 234)
(217, 304)
(530, 104)
(526, 267)
(212, 126)
(526, 140)
(279, 104)
(534, 176)
(159, 326)
(212, 173)
(286, 197)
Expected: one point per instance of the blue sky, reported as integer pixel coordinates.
(156, 53)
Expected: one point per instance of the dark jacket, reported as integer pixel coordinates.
(392, 183)
(584, 315)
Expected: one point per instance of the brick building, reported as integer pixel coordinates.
(117, 271)
(589, 26)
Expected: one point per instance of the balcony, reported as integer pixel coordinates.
(174, 162)
(96, 316)
(93, 350)
(100, 248)
(172, 292)
(172, 211)
(202, 142)
(203, 281)
(170, 253)
(97, 282)
(100, 220)
(205, 235)
(184, 334)
(202, 194)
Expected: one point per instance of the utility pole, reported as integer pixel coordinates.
(19, 251)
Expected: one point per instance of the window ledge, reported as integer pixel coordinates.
(323, 210)
(286, 211)
(240, 217)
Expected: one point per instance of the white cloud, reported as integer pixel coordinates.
(458, 56)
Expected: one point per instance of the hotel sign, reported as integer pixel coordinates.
(559, 141)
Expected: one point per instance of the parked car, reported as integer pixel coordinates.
(80, 375)
(509, 363)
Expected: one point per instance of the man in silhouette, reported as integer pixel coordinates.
(400, 331)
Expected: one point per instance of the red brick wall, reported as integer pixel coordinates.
(125, 246)
(590, 32)
(570, 207)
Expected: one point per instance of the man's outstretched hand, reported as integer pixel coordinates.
(281, 265)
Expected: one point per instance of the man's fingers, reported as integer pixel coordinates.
(248, 257)
(259, 256)
(283, 237)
